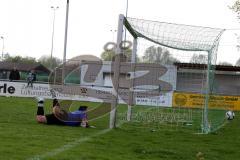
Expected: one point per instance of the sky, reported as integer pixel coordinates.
(26, 25)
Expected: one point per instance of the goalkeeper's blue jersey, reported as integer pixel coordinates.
(75, 118)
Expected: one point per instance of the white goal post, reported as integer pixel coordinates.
(179, 37)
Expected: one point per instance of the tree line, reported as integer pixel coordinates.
(152, 54)
(47, 61)
(157, 54)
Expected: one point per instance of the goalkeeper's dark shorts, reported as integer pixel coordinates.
(52, 119)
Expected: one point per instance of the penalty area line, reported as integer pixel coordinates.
(68, 146)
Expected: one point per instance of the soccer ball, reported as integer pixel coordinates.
(230, 115)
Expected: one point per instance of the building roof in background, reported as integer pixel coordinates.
(24, 67)
(79, 59)
(204, 66)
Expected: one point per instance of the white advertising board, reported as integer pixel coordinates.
(20, 89)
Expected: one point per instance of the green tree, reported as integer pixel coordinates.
(29, 60)
(19, 59)
(235, 7)
(108, 55)
(49, 62)
(158, 55)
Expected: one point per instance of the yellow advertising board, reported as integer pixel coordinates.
(193, 100)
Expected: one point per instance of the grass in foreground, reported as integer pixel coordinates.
(22, 138)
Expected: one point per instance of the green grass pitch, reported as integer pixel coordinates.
(22, 138)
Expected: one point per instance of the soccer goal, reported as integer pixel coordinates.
(173, 82)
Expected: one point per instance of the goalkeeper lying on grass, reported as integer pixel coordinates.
(61, 117)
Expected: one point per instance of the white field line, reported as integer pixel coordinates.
(68, 146)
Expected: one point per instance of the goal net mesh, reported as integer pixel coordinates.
(188, 55)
